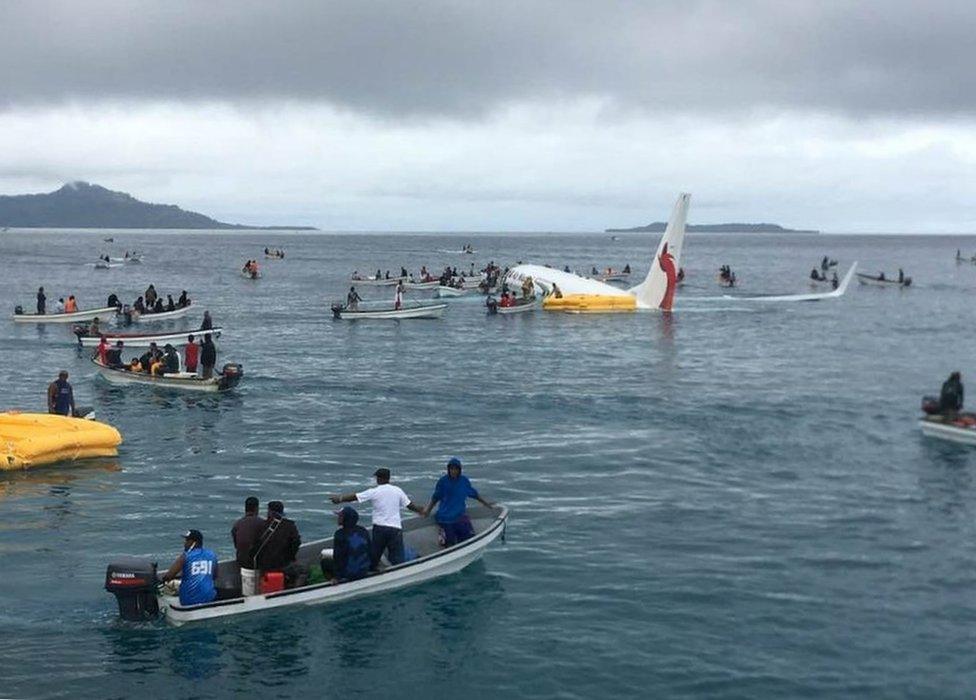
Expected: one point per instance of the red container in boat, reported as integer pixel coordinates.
(272, 581)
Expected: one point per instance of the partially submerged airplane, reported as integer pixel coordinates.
(565, 291)
(569, 292)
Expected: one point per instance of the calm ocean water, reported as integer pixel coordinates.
(731, 501)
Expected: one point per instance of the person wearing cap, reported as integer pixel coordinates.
(451, 493)
(60, 396)
(277, 544)
(197, 570)
(387, 500)
(350, 548)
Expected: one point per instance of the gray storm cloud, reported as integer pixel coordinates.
(466, 58)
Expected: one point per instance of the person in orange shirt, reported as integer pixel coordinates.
(71, 305)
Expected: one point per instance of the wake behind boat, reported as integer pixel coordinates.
(134, 581)
(143, 340)
(225, 380)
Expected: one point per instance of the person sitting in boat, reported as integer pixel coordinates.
(387, 501)
(60, 396)
(59, 307)
(379, 275)
(158, 307)
(815, 274)
(403, 272)
(276, 546)
(387, 274)
(171, 360)
(113, 356)
(825, 263)
(197, 570)
(184, 300)
(139, 306)
(834, 282)
(351, 546)
(70, 306)
(134, 365)
(151, 355)
(881, 277)
(170, 305)
(113, 300)
(450, 496)
(102, 350)
(951, 396)
(353, 299)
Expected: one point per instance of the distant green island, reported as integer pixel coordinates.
(659, 226)
(83, 205)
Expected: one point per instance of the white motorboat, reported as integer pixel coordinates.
(962, 431)
(229, 377)
(377, 281)
(366, 310)
(883, 281)
(158, 316)
(614, 277)
(103, 265)
(445, 292)
(520, 307)
(134, 258)
(142, 340)
(86, 315)
(133, 581)
(433, 284)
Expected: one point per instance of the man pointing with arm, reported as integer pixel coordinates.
(387, 501)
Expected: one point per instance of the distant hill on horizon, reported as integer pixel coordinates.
(659, 226)
(83, 205)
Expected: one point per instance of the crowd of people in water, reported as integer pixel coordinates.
(266, 548)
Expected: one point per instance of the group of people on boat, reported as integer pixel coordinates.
(251, 269)
(821, 276)
(269, 546)
(726, 276)
(63, 306)
(202, 354)
(274, 253)
(150, 302)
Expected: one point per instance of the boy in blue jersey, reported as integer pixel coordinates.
(197, 570)
(452, 492)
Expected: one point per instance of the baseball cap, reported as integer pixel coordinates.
(194, 535)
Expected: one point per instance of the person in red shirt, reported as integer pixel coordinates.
(192, 355)
(102, 350)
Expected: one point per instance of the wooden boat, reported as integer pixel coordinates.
(133, 581)
(962, 430)
(225, 380)
(142, 340)
(874, 281)
(366, 310)
(86, 315)
(157, 316)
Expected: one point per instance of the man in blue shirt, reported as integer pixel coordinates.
(452, 492)
(60, 396)
(197, 569)
(351, 547)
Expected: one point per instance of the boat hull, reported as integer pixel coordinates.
(518, 308)
(142, 340)
(489, 525)
(160, 316)
(424, 311)
(870, 281)
(948, 431)
(179, 382)
(87, 315)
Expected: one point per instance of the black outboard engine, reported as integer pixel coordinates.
(133, 582)
(930, 405)
(231, 374)
(337, 311)
(19, 310)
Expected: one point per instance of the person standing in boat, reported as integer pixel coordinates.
(184, 300)
(197, 569)
(834, 282)
(353, 299)
(901, 276)
(951, 396)
(60, 396)
(59, 307)
(191, 355)
(208, 356)
(41, 301)
(71, 306)
(171, 360)
(387, 501)
(451, 493)
(150, 296)
(113, 356)
(398, 298)
(207, 323)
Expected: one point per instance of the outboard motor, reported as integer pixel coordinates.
(18, 310)
(133, 582)
(337, 311)
(930, 405)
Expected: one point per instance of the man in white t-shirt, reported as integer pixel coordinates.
(387, 501)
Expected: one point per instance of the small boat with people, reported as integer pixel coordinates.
(143, 340)
(135, 581)
(72, 317)
(107, 265)
(160, 316)
(444, 292)
(726, 277)
(509, 304)
(944, 417)
(882, 280)
(383, 310)
(431, 284)
(228, 378)
(274, 253)
(376, 280)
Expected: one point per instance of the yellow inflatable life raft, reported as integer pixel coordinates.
(590, 303)
(32, 439)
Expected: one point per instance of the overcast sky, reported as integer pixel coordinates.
(569, 115)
